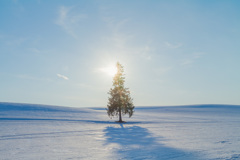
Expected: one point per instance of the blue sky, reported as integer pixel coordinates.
(174, 52)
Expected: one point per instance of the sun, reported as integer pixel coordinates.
(110, 70)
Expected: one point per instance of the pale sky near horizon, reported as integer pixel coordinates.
(174, 52)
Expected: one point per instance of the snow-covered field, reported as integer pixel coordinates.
(177, 132)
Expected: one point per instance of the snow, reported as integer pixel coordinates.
(30, 131)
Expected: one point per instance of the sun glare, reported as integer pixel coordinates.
(110, 70)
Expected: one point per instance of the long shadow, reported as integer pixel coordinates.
(53, 119)
(138, 143)
(39, 135)
(67, 120)
(96, 121)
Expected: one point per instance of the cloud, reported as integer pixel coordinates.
(122, 45)
(144, 52)
(63, 20)
(121, 41)
(63, 11)
(173, 46)
(62, 76)
(69, 20)
(192, 58)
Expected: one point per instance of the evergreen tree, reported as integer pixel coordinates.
(119, 102)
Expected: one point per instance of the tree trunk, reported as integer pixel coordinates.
(120, 115)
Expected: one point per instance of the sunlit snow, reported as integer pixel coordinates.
(177, 132)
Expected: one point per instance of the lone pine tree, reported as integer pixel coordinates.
(119, 102)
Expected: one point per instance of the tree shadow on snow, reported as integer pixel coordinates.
(138, 143)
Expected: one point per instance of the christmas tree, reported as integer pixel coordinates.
(119, 102)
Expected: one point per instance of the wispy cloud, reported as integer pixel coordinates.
(123, 42)
(191, 59)
(173, 46)
(63, 11)
(69, 20)
(62, 76)
(144, 52)
(63, 20)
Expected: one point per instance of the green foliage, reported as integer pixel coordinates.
(119, 102)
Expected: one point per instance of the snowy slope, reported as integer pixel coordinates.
(177, 132)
